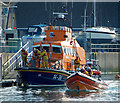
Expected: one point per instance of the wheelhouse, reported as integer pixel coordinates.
(60, 45)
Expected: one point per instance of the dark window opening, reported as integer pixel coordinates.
(56, 49)
(9, 36)
(38, 48)
(47, 48)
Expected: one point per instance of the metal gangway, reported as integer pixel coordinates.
(15, 60)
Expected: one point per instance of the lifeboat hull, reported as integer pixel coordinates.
(41, 77)
(80, 81)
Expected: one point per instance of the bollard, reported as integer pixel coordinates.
(0, 67)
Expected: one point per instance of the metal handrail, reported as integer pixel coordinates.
(11, 63)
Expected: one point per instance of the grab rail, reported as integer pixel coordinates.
(13, 61)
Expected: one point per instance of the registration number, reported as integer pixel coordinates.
(57, 77)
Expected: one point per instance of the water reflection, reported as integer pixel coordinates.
(79, 94)
(58, 94)
(49, 94)
(61, 93)
(53, 95)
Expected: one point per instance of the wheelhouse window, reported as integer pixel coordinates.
(46, 47)
(56, 49)
(51, 34)
(37, 47)
(69, 51)
(74, 51)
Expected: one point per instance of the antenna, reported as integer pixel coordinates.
(84, 19)
(45, 5)
(85, 16)
(71, 19)
(94, 13)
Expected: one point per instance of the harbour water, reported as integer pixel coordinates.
(62, 94)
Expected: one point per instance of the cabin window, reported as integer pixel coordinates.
(51, 34)
(32, 29)
(68, 51)
(56, 28)
(71, 51)
(56, 49)
(46, 47)
(74, 52)
(37, 47)
(43, 30)
(61, 28)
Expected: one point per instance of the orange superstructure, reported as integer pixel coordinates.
(60, 45)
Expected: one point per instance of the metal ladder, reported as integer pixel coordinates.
(15, 60)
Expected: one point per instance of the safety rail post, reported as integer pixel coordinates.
(16, 62)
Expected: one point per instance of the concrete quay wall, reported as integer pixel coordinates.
(109, 61)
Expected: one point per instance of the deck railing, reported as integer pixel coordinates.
(14, 61)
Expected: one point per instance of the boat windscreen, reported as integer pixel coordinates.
(32, 29)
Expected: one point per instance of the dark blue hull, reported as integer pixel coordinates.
(42, 77)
